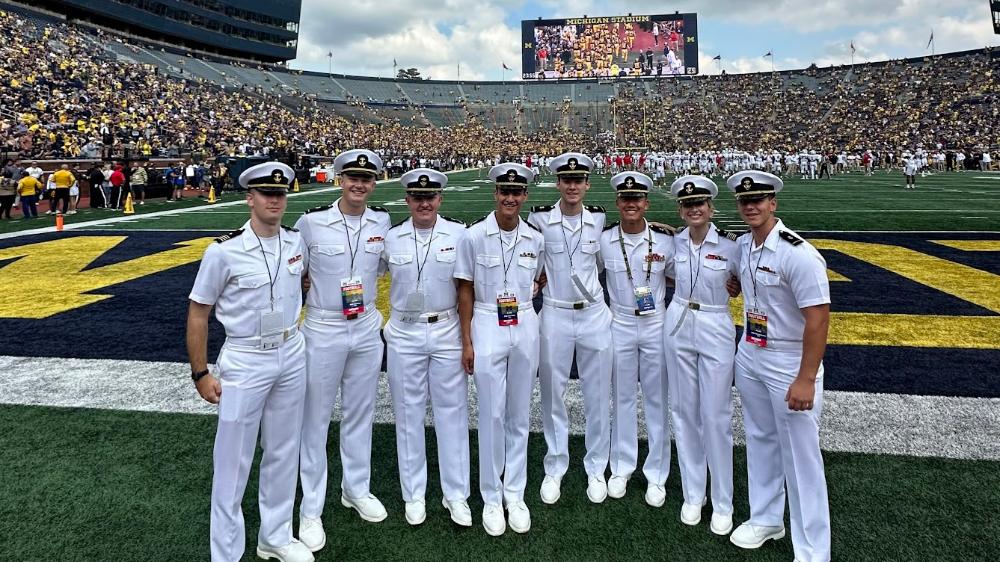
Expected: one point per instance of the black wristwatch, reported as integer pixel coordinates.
(197, 376)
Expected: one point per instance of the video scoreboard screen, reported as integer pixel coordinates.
(633, 46)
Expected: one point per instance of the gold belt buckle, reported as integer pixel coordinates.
(694, 306)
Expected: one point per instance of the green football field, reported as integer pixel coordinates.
(105, 482)
(965, 201)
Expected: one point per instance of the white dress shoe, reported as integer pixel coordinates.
(291, 552)
(550, 489)
(655, 495)
(519, 517)
(460, 512)
(691, 513)
(311, 533)
(597, 489)
(415, 512)
(493, 520)
(368, 507)
(752, 536)
(617, 486)
(721, 524)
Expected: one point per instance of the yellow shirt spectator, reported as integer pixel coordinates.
(28, 186)
(63, 179)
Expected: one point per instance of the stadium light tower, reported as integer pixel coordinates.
(995, 8)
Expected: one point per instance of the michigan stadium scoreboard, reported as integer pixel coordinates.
(610, 47)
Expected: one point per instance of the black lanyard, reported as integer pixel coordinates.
(693, 277)
(277, 265)
(422, 263)
(571, 251)
(357, 242)
(503, 254)
(628, 266)
(753, 274)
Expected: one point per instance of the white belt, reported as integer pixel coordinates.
(255, 341)
(576, 305)
(632, 311)
(424, 317)
(700, 307)
(326, 314)
(487, 307)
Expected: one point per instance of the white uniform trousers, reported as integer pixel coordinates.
(425, 361)
(783, 450)
(505, 366)
(638, 358)
(700, 355)
(345, 356)
(585, 331)
(261, 391)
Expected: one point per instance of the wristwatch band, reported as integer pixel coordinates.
(197, 376)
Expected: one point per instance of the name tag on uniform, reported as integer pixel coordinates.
(507, 308)
(272, 329)
(756, 327)
(352, 295)
(415, 302)
(644, 303)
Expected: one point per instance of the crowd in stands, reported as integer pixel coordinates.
(64, 96)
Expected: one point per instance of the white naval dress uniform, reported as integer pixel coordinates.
(506, 357)
(425, 356)
(699, 340)
(344, 352)
(573, 324)
(638, 349)
(783, 276)
(262, 389)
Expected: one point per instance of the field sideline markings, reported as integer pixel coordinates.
(170, 212)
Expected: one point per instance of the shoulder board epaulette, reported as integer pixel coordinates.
(454, 220)
(541, 208)
(789, 237)
(612, 225)
(595, 208)
(479, 220)
(730, 235)
(320, 208)
(661, 230)
(290, 228)
(229, 235)
(399, 223)
(378, 209)
(531, 226)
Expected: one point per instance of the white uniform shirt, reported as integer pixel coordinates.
(659, 262)
(789, 277)
(718, 259)
(331, 239)
(481, 260)
(581, 239)
(234, 278)
(408, 258)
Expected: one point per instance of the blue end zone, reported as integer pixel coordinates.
(145, 318)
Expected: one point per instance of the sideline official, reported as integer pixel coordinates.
(574, 321)
(498, 262)
(700, 342)
(424, 348)
(252, 276)
(638, 257)
(779, 373)
(343, 348)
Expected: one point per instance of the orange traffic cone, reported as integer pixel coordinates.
(211, 195)
(129, 206)
(59, 222)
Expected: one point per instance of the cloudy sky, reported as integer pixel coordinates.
(438, 36)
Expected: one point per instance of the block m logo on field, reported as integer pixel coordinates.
(55, 272)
